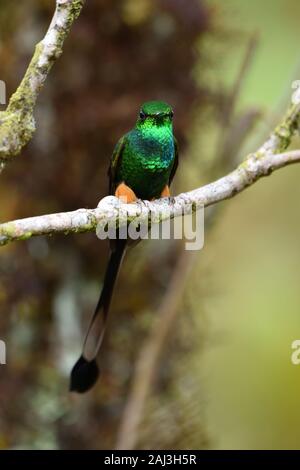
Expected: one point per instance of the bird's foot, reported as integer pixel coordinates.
(125, 193)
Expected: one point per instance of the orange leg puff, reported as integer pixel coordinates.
(125, 193)
(165, 192)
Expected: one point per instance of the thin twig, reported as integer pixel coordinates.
(243, 73)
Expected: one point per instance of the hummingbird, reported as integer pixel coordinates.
(142, 166)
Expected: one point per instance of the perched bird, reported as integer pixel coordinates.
(142, 166)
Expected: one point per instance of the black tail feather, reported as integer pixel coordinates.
(85, 372)
(84, 375)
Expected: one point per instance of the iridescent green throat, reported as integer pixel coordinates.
(149, 151)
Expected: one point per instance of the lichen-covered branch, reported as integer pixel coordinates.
(281, 137)
(17, 122)
(111, 209)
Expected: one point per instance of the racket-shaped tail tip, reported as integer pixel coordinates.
(84, 375)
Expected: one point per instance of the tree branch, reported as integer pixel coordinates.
(111, 209)
(148, 360)
(17, 123)
(261, 163)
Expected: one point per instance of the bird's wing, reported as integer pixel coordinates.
(114, 162)
(175, 165)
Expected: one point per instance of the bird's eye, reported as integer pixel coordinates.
(142, 115)
(171, 114)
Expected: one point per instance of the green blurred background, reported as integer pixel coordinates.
(226, 378)
(252, 387)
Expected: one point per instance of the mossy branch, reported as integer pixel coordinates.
(17, 123)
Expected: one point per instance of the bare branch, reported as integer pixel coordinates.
(17, 123)
(150, 355)
(111, 209)
(261, 163)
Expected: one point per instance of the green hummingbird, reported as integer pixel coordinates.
(142, 166)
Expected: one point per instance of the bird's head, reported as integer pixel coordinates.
(155, 113)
